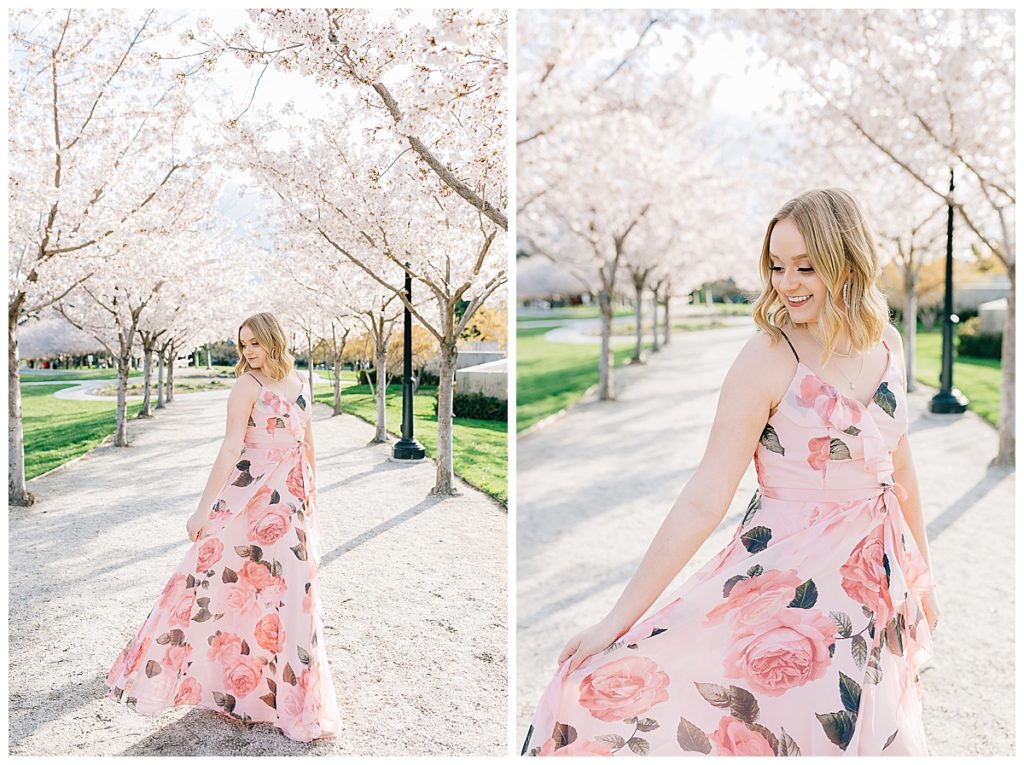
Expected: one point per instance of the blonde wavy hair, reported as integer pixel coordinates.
(838, 240)
(268, 332)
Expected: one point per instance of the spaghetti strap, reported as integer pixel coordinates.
(791, 345)
(254, 377)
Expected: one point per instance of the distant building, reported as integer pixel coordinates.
(971, 295)
(539, 280)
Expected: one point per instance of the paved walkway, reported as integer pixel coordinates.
(586, 512)
(414, 595)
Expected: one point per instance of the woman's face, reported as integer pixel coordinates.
(251, 348)
(792, 274)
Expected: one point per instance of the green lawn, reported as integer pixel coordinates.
(55, 375)
(574, 312)
(551, 376)
(978, 379)
(57, 431)
(480, 446)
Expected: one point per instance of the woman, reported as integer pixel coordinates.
(238, 627)
(806, 633)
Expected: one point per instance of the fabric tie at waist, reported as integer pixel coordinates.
(899, 544)
(890, 492)
(304, 448)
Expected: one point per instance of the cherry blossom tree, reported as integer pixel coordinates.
(436, 83)
(94, 144)
(375, 210)
(608, 144)
(134, 273)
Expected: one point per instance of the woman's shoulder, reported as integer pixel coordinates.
(247, 385)
(891, 335)
(768, 355)
(765, 366)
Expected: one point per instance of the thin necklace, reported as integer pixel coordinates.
(859, 373)
(844, 355)
(834, 353)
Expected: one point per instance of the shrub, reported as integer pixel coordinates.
(977, 344)
(477, 406)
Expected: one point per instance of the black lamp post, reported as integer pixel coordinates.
(948, 400)
(407, 448)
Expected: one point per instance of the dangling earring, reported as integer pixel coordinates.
(846, 294)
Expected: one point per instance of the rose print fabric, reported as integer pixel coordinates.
(238, 627)
(803, 636)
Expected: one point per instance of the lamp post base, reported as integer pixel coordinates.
(408, 449)
(948, 402)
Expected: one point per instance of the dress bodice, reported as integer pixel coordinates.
(820, 438)
(274, 421)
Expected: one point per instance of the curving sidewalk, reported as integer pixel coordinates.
(414, 596)
(593, 487)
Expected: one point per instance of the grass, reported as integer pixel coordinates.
(74, 375)
(574, 312)
(480, 447)
(978, 379)
(57, 431)
(552, 376)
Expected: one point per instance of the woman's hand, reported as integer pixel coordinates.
(195, 525)
(931, 610)
(585, 644)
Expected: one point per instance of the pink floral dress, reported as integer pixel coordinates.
(803, 636)
(238, 627)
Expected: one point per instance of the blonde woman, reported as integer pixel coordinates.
(806, 633)
(238, 627)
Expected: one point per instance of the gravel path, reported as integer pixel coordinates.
(593, 486)
(414, 595)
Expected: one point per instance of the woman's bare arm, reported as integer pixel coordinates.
(904, 472)
(308, 438)
(745, 401)
(743, 407)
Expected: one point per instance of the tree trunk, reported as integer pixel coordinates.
(147, 377)
(445, 484)
(309, 366)
(17, 490)
(655, 347)
(667, 331)
(1007, 405)
(336, 380)
(160, 380)
(124, 366)
(638, 350)
(336, 370)
(604, 389)
(172, 355)
(381, 436)
(910, 333)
